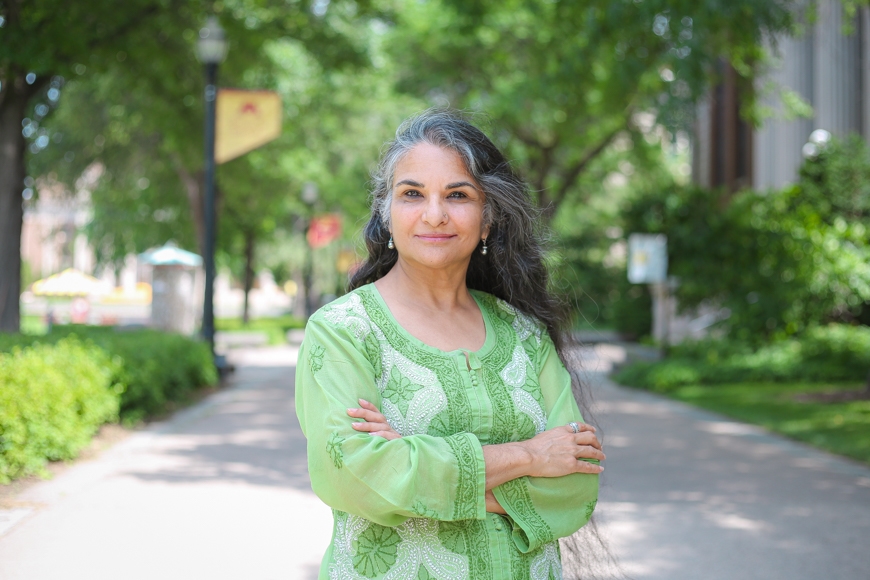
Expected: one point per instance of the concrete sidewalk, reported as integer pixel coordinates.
(221, 491)
(690, 495)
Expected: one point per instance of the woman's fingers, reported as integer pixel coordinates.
(368, 412)
(587, 438)
(365, 404)
(389, 435)
(370, 426)
(589, 452)
(586, 467)
(374, 421)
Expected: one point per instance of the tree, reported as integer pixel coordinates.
(130, 54)
(562, 81)
(43, 39)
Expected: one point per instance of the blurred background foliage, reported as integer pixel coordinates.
(591, 100)
(797, 258)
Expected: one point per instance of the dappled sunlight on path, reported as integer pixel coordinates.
(688, 494)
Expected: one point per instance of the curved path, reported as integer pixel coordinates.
(691, 495)
(220, 491)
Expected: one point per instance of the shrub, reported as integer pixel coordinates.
(835, 352)
(52, 400)
(782, 261)
(154, 369)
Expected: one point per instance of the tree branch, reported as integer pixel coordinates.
(124, 28)
(570, 177)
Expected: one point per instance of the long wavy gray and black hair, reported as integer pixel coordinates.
(514, 268)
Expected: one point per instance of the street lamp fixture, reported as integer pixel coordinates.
(818, 142)
(211, 49)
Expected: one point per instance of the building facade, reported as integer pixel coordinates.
(828, 67)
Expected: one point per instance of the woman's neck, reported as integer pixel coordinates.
(434, 306)
(440, 289)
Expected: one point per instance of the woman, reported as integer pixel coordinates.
(441, 425)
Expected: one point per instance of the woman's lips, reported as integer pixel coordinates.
(435, 237)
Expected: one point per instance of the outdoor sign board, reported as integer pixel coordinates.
(647, 258)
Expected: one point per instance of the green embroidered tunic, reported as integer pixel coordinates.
(414, 508)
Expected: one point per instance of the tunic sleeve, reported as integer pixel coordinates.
(543, 509)
(384, 481)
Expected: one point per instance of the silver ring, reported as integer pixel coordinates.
(574, 426)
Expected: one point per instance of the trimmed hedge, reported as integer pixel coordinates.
(154, 368)
(836, 352)
(53, 398)
(57, 389)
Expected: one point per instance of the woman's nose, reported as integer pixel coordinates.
(435, 214)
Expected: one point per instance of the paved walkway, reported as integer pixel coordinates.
(690, 495)
(221, 492)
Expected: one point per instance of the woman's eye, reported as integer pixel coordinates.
(457, 195)
(412, 193)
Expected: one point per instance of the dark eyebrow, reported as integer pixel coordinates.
(410, 182)
(459, 184)
(455, 185)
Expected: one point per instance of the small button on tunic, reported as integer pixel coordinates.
(414, 507)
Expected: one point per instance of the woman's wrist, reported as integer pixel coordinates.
(505, 462)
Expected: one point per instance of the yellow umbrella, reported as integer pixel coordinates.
(68, 283)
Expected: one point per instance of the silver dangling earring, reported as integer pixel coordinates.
(390, 244)
(483, 249)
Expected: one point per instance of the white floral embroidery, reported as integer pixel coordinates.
(351, 314)
(514, 374)
(523, 325)
(527, 404)
(425, 405)
(547, 562)
(427, 401)
(420, 546)
(348, 528)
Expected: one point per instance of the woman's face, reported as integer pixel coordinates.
(437, 210)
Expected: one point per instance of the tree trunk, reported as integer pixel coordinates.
(249, 273)
(12, 173)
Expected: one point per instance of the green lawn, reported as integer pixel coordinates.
(275, 328)
(842, 428)
(33, 324)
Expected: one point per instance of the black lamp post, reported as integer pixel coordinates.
(211, 49)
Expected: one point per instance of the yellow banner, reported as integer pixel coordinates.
(245, 121)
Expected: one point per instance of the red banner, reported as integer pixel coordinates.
(324, 229)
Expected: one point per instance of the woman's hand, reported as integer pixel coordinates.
(375, 422)
(552, 453)
(560, 451)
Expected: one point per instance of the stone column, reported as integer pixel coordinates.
(777, 151)
(837, 84)
(864, 30)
